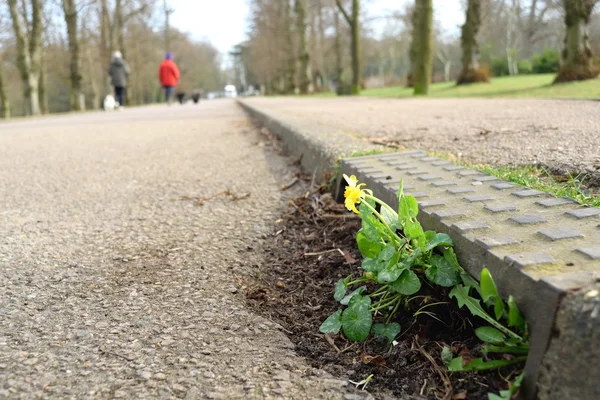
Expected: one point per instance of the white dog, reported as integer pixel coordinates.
(110, 104)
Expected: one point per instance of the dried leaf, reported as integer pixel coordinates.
(377, 360)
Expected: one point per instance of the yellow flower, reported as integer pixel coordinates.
(353, 193)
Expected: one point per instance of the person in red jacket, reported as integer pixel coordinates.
(168, 75)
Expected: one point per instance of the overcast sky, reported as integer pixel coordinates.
(224, 22)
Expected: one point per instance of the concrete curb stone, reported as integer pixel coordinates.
(539, 248)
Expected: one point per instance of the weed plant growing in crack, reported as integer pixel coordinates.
(399, 259)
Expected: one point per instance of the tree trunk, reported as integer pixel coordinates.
(424, 55)
(468, 41)
(290, 75)
(70, 11)
(338, 49)
(42, 92)
(577, 62)
(355, 47)
(4, 102)
(413, 51)
(28, 53)
(302, 50)
(354, 23)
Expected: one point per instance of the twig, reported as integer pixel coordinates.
(301, 211)
(234, 197)
(441, 373)
(320, 253)
(340, 216)
(330, 341)
(290, 183)
(116, 355)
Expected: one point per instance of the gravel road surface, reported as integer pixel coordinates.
(114, 284)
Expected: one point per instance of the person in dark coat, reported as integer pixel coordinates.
(118, 71)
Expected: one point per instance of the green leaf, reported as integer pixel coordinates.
(400, 192)
(408, 209)
(441, 272)
(357, 319)
(437, 239)
(515, 319)
(389, 331)
(504, 395)
(455, 365)
(390, 217)
(446, 355)
(479, 364)
(367, 247)
(391, 271)
(349, 296)
(489, 293)
(362, 301)
(461, 294)
(372, 227)
(340, 290)
(332, 324)
(414, 231)
(505, 349)
(408, 283)
(490, 335)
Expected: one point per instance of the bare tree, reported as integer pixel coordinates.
(423, 46)
(470, 48)
(29, 43)
(77, 98)
(354, 23)
(577, 62)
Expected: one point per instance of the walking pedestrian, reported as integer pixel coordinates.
(118, 71)
(168, 75)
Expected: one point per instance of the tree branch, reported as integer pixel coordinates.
(344, 13)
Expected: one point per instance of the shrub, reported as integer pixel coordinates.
(524, 67)
(547, 62)
(499, 66)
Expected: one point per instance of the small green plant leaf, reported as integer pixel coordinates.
(505, 349)
(357, 319)
(446, 355)
(392, 271)
(408, 283)
(441, 272)
(515, 319)
(504, 395)
(490, 335)
(456, 365)
(408, 208)
(400, 191)
(414, 231)
(461, 294)
(340, 290)
(437, 239)
(348, 297)
(479, 364)
(389, 331)
(489, 293)
(332, 324)
(367, 247)
(390, 217)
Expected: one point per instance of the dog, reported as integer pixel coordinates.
(110, 104)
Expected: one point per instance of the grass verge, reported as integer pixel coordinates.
(532, 86)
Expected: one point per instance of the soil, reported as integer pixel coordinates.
(312, 248)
